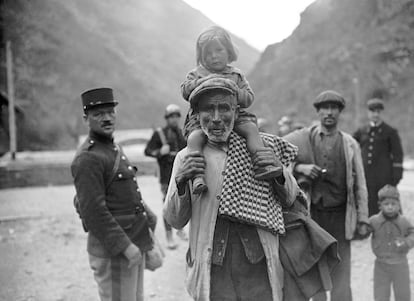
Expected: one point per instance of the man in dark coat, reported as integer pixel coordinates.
(382, 153)
(110, 204)
(164, 145)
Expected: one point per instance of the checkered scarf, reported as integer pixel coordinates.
(246, 199)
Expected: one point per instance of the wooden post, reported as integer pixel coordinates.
(10, 95)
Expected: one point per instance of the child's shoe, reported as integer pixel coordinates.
(199, 185)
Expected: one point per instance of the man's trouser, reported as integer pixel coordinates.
(238, 279)
(117, 282)
(333, 221)
(396, 274)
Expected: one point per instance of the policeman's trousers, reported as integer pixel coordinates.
(117, 282)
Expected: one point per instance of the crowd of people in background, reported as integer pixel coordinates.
(270, 216)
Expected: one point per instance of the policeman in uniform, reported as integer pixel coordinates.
(382, 153)
(110, 204)
(164, 145)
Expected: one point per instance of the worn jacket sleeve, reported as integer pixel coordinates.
(177, 208)
(409, 237)
(397, 157)
(287, 191)
(153, 146)
(245, 93)
(88, 172)
(189, 84)
(360, 186)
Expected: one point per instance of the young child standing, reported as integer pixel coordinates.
(392, 237)
(214, 53)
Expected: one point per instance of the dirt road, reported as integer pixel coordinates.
(43, 254)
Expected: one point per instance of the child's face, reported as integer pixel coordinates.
(215, 56)
(390, 207)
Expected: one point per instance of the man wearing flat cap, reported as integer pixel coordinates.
(329, 161)
(110, 204)
(382, 153)
(230, 257)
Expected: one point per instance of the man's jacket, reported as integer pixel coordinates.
(308, 255)
(357, 196)
(113, 213)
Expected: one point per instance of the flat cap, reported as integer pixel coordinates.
(97, 97)
(214, 83)
(329, 96)
(388, 192)
(375, 104)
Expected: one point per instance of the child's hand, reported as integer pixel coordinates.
(401, 245)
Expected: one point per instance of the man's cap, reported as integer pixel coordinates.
(329, 96)
(211, 84)
(388, 192)
(375, 104)
(97, 97)
(172, 109)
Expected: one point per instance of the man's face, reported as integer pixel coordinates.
(329, 114)
(101, 120)
(375, 115)
(217, 114)
(173, 120)
(390, 207)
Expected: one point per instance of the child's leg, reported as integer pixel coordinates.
(249, 130)
(401, 282)
(195, 142)
(382, 281)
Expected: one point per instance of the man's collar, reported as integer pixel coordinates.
(321, 131)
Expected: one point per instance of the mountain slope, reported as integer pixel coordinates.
(143, 49)
(359, 48)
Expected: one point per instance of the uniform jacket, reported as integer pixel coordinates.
(382, 154)
(201, 212)
(176, 142)
(385, 232)
(114, 214)
(357, 199)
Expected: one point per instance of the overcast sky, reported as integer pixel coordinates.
(258, 22)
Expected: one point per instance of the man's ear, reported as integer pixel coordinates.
(236, 113)
(85, 117)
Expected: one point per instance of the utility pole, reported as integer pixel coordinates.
(10, 96)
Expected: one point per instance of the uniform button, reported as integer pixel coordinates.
(120, 175)
(369, 161)
(115, 149)
(370, 147)
(123, 158)
(138, 189)
(222, 241)
(130, 167)
(209, 250)
(369, 155)
(223, 173)
(91, 141)
(219, 253)
(246, 239)
(371, 139)
(218, 197)
(144, 213)
(134, 178)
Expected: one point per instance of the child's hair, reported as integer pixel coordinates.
(388, 191)
(219, 34)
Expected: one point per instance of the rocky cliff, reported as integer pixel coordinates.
(359, 48)
(143, 49)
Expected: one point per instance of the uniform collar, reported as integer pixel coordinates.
(375, 125)
(101, 138)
